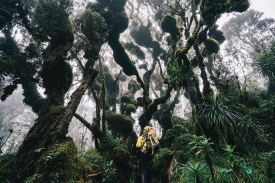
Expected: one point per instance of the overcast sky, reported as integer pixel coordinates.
(266, 6)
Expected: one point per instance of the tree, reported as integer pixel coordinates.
(54, 37)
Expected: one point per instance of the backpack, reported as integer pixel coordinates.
(151, 139)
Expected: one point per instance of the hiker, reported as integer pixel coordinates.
(148, 143)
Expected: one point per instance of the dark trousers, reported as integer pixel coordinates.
(143, 164)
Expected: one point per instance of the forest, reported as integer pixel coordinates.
(80, 79)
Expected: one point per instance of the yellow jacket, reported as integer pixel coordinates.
(141, 143)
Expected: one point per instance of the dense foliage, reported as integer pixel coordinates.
(138, 63)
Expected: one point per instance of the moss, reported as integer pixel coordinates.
(125, 99)
(117, 5)
(238, 5)
(121, 23)
(130, 108)
(96, 86)
(61, 164)
(56, 76)
(121, 124)
(121, 77)
(161, 162)
(202, 36)
(142, 36)
(216, 34)
(134, 86)
(110, 82)
(8, 167)
(135, 50)
(94, 160)
(168, 23)
(180, 53)
(37, 105)
(51, 114)
(212, 45)
(175, 131)
(133, 101)
(3, 22)
(121, 57)
(156, 49)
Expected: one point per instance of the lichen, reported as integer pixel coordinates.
(180, 53)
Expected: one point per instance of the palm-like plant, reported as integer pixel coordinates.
(215, 111)
(249, 128)
(195, 172)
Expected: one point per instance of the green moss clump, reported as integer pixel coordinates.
(117, 5)
(161, 162)
(212, 45)
(121, 57)
(202, 36)
(125, 99)
(37, 105)
(121, 23)
(130, 108)
(30, 93)
(109, 82)
(61, 164)
(238, 5)
(216, 34)
(56, 76)
(174, 132)
(168, 24)
(133, 101)
(121, 124)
